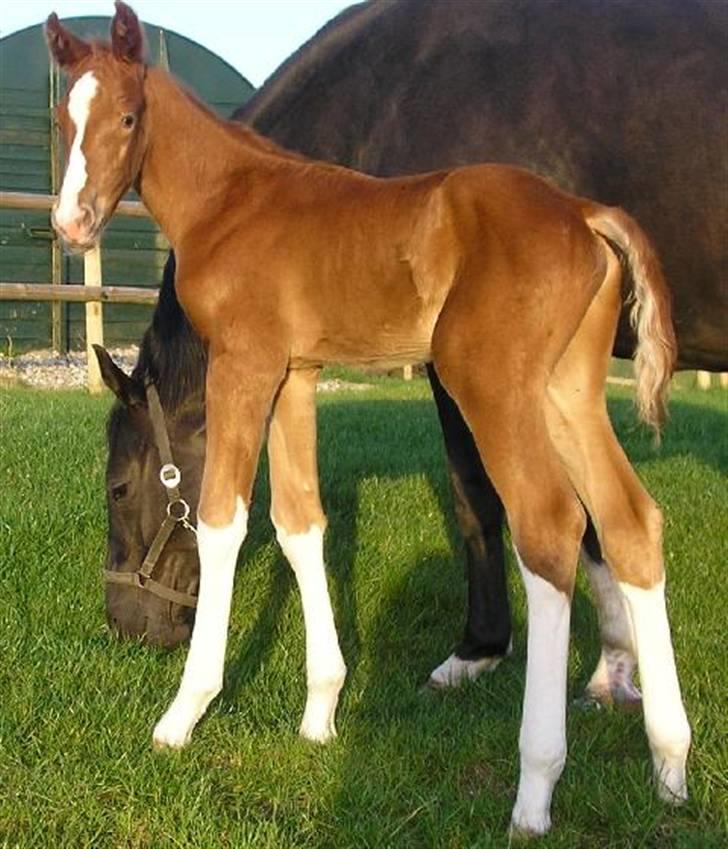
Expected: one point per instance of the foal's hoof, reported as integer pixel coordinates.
(672, 786)
(318, 723)
(317, 733)
(455, 671)
(172, 732)
(523, 828)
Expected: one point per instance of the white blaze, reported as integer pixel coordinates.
(79, 106)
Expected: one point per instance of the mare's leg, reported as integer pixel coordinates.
(239, 395)
(628, 524)
(480, 516)
(300, 523)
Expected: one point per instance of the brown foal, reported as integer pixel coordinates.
(510, 287)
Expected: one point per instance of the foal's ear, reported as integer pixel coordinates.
(127, 39)
(128, 391)
(64, 46)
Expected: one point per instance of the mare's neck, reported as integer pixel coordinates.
(191, 158)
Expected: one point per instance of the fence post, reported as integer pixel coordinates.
(94, 318)
(703, 379)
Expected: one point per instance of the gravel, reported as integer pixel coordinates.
(49, 370)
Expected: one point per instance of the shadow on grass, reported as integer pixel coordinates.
(365, 439)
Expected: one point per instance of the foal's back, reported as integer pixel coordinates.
(352, 268)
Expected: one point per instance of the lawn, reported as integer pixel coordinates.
(409, 769)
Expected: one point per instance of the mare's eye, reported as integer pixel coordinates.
(127, 121)
(119, 491)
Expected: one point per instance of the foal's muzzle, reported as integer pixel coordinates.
(79, 232)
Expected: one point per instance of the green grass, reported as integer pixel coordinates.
(408, 769)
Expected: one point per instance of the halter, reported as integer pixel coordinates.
(178, 511)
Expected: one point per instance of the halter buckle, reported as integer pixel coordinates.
(183, 513)
(170, 475)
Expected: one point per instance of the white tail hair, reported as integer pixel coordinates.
(651, 313)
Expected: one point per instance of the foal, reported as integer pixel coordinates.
(510, 287)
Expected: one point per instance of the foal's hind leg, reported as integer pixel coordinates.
(629, 526)
(300, 523)
(239, 396)
(611, 682)
(547, 524)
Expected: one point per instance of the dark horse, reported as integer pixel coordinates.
(616, 100)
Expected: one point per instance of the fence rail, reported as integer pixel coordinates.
(40, 202)
(92, 293)
(72, 293)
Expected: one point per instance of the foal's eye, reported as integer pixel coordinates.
(118, 492)
(127, 122)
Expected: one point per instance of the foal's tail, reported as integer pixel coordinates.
(651, 313)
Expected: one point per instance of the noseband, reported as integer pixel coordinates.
(178, 511)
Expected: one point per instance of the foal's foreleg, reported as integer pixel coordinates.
(300, 522)
(237, 404)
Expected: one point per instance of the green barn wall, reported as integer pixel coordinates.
(133, 251)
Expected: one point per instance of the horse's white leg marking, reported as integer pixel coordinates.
(67, 211)
(455, 671)
(202, 678)
(612, 679)
(665, 720)
(325, 669)
(542, 740)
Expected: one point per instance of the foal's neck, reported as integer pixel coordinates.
(192, 155)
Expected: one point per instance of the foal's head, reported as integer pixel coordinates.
(102, 122)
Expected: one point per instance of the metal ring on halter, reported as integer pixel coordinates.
(185, 510)
(170, 475)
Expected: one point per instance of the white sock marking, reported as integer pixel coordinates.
(665, 720)
(79, 106)
(456, 671)
(612, 682)
(542, 740)
(202, 678)
(325, 669)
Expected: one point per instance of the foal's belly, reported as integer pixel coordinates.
(387, 324)
(390, 343)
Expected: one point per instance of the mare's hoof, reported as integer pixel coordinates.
(455, 671)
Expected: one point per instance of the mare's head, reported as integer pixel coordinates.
(172, 358)
(102, 123)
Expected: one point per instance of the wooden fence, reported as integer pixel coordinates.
(93, 293)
